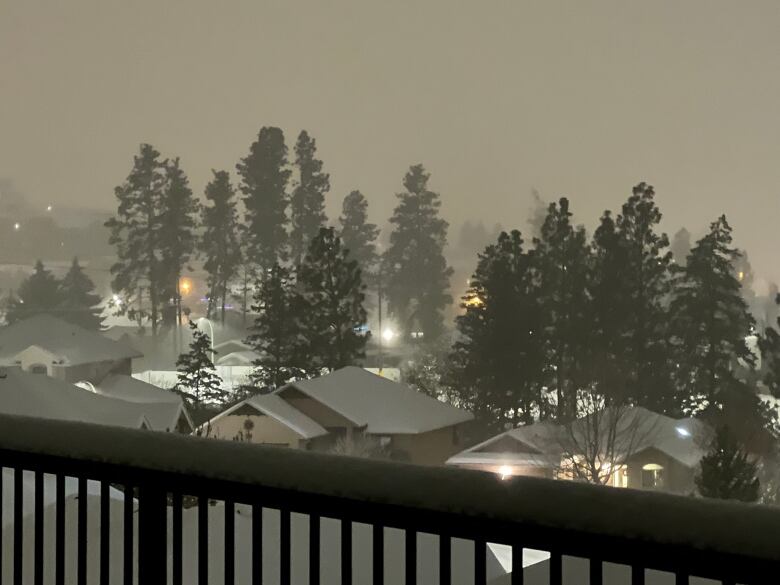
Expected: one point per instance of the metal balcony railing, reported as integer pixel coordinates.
(90, 504)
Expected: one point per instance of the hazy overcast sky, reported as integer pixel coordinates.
(495, 97)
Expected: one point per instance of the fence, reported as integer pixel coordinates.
(125, 504)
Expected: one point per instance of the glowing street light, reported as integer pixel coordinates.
(17, 225)
(185, 286)
(505, 471)
(388, 334)
(48, 208)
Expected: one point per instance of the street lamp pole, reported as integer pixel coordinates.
(211, 334)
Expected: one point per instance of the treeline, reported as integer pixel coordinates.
(612, 315)
(262, 229)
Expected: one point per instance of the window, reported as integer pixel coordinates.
(652, 476)
(38, 369)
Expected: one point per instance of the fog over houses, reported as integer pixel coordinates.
(351, 292)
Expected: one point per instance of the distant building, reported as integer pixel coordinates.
(663, 454)
(347, 406)
(46, 345)
(44, 354)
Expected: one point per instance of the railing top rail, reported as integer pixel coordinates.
(751, 531)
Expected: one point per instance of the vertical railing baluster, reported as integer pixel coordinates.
(127, 537)
(637, 575)
(378, 554)
(81, 565)
(445, 559)
(480, 562)
(556, 568)
(203, 540)
(411, 557)
(230, 542)
(2, 474)
(176, 538)
(314, 549)
(284, 547)
(346, 552)
(257, 544)
(105, 532)
(38, 579)
(517, 565)
(596, 572)
(59, 531)
(18, 527)
(152, 534)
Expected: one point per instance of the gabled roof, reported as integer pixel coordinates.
(273, 406)
(130, 389)
(230, 346)
(72, 344)
(40, 396)
(379, 404)
(543, 443)
(238, 358)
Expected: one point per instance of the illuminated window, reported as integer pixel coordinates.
(652, 476)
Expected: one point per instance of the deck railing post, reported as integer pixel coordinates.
(152, 538)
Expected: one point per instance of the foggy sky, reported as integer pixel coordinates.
(574, 98)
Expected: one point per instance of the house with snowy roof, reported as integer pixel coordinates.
(347, 405)
(76, 360)
(650, 450)
(28, 394)
(44, 344)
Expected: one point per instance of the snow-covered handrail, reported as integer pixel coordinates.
(639, 528)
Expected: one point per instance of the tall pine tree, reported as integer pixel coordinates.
(197, 377)
(417, 272)
(276, 334)
(709, 320)
(79, 303)
(333, 292)
(179, 219)
(498, 362)
(264, 176)
(562, 259)
(220, 242)
(644, 288)
(136, 234)
(357, 234)
(307, 203)
(39, 293)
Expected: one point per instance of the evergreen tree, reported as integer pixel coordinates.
(178, 221)
(264, 176)
(333, 293)
(136, 233)
(220, 242)
(681, 246)
(561, 259)
(307, 203)
(197, 377)
(709, 321)
(357, 234)
(727, 472)
(79, 303)
(39, 293)
(277, 330)
(417, 272)
(644, 287)
(498, 360)
(609, 309)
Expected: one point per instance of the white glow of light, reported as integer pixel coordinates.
(505, 471)
(117, 300)
(388, 334)
(683, 432)
(48, 208)
(17, 225)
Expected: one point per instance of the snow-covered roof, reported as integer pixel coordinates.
(231, 346)
(273, 406)
(379, 404)
(543, 443)
(72, 344)
(40, 396)
(131, 389)
(238, 358)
